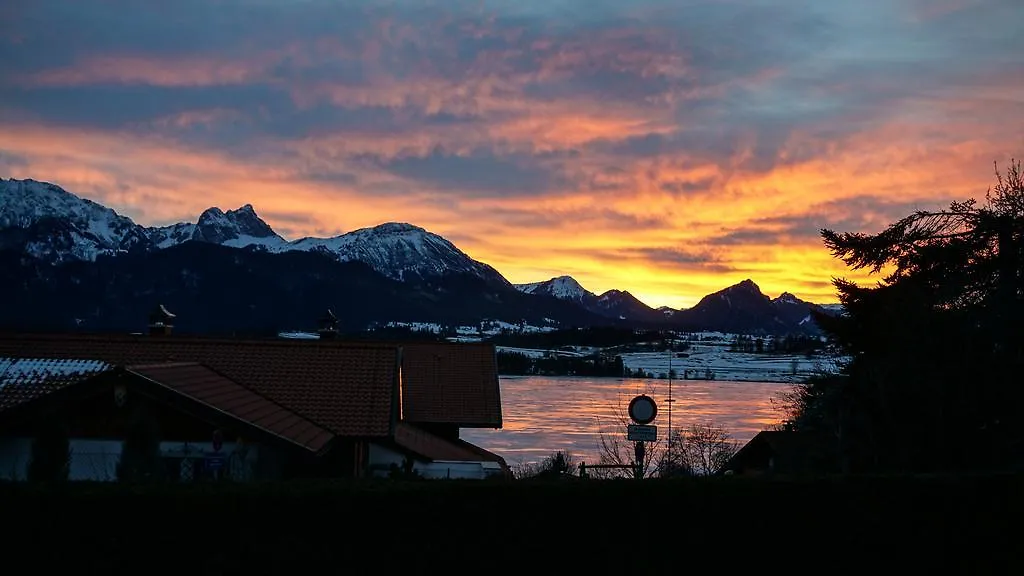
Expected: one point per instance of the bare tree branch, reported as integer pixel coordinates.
(703, 449)
(617, 450)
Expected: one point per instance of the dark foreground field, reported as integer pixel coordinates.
(960, 525)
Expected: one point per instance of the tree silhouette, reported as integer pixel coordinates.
(936, 353)
(702, 449)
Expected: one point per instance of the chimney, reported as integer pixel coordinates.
(161, 322)
(328, 326)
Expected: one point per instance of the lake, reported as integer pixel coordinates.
(544, 414)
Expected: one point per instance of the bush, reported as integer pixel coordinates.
(301, 526)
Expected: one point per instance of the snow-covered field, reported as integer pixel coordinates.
(477, 332)
(721, 364)
(708, 356)
(536, 352)
(714, 361)
(297, 335)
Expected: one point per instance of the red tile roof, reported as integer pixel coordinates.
(451, 384)
(345, 388)
(436, 448)
(216, 390)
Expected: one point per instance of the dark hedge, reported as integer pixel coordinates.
(958, 524)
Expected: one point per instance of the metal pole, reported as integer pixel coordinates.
(670, 342)
(640, 452)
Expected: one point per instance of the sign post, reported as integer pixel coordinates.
(642, 411)
(215, 461)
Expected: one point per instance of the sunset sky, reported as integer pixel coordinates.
(666, 147)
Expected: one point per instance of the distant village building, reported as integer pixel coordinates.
(778, 452)
(250, 409)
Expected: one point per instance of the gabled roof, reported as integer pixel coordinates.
(451, 384)
(346, 389)
(217, 391)
(25, 379)
(434, 447)
(771, 444)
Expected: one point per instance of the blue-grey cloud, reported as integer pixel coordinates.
(714, 80)
(9, 161)
(587, 218)
(867, 214)
(674, 258)
(480, 170)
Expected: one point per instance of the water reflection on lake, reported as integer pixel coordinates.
(545, 414)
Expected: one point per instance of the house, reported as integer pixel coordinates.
(249, 409)
(776, 452)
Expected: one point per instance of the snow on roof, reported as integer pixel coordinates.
(35, 371)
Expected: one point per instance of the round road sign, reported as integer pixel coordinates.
(643, 409)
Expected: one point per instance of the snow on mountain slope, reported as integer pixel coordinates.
(787, 298)
(615, 304)
(44, 220)
(398, 250)
(50, 223)
(668, 311)
(561, 287)
(236, 228)
(47, 222)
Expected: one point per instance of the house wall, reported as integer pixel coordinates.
(97, 426)
(458, 470)
(96, 460)
(14, 454)
(381, 459)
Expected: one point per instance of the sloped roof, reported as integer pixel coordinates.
(346, 389)
(434, 447)
(451, 384)
(25, 379)
(216, 390)
(768, 444)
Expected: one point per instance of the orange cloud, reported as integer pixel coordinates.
(148, 71)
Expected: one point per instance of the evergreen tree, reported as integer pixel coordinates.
(932, 384)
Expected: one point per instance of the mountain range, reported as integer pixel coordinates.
(72, 263)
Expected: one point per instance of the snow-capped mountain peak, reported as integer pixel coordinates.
(400, 251)
(616, 304)
(52, 224)
(46, 221)
(241, 226)
(238, 228)
(787, 298)
(561, 287)
(668, 311)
